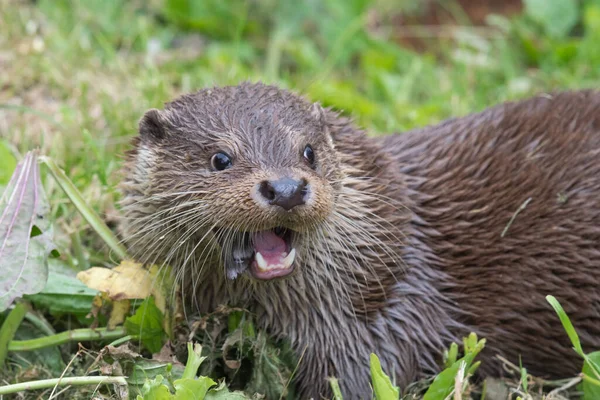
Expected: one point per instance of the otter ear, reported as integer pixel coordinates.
(152, 125)
(317, 112)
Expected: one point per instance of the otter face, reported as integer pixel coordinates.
(250, 169)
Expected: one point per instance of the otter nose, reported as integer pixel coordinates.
(286, 193)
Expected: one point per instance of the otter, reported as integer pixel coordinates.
(345, 244)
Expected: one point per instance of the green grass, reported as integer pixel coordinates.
(75, 77)
(78, 77)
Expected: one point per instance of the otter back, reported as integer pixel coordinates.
(509, 201)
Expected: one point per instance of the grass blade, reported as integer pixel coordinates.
(9, 328)
(382, 386)
(90, 215)
(335, 388)
(566, 323)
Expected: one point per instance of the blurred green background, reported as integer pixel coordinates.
(75, 76)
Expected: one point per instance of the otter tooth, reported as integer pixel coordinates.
(260, 260)
(289, 259)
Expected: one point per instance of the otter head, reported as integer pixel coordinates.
(246, 172)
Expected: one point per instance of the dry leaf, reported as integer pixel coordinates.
(131, 280)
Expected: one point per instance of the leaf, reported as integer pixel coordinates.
(214, 17)
(137, 369)
(23, 259)
(47, 358)
(591, 365)
(591, 19)
(222, 393)
(147, 324)
(63, 292)
(444, 383)
(335, 388)
(192, 389)
(155, 390)
(193, 361)
(591, 390)
(8, 163)
(270, 373)
(382, 386)
(567, 325)
(451, 354)
(143, 369)
(557, 17)
(131, 280)
(524, 382)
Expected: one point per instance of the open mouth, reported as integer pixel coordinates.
(266, 254)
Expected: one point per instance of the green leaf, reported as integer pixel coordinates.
(557, 17)
(524, 379)
(155, 390)
(471, 371)
(140, 370)
(193, 361)
(344, 96)
(192, 389)
(146, 323)
(8, 163)
(567, 325)
(234, 320)
(23, 258)
(49, 358)
(443, 384)
(214, 17)
(591, 390)
(451, 354)
(63, 293)
(270, 372)
(591, 19)
(335, 388)
(382, 386)
(591, 365)
(222, 393)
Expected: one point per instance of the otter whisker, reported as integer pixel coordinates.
(162, 234)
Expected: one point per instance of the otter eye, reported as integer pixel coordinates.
(309, 155)
(220, 161)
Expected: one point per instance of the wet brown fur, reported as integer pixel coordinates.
(401, 249)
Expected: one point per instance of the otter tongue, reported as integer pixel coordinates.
(270, 246)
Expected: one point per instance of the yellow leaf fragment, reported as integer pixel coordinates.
(131, 280)
(128, 280)
(120, 309)
(116, 311)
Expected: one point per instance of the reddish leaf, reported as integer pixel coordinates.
(23, 258)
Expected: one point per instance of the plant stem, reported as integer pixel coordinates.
(73, 381)
(86, 211)
(9, 328)
(79, 335)
(82, 262)
(193, 361)
(335, 388)
(590, 379)
(40, 323)
(122, 340)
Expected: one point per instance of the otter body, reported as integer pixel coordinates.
(345, 244)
